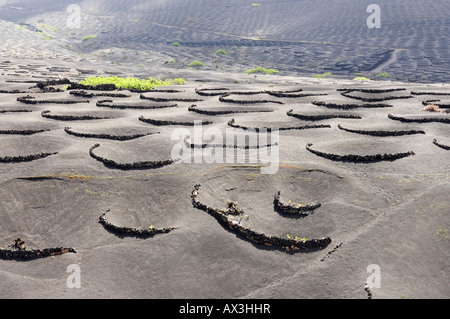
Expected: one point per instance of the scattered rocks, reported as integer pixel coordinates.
(22, 132)
(349, 106)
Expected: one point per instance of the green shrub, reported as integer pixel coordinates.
(176, 44)
(255, 4)
(196, 64)
(324, 75)
(261, 70)
(383, 75)
(88, 37)
(132, 83)
(221, 52)
(360, 78)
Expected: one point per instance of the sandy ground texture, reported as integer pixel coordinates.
(90, 181)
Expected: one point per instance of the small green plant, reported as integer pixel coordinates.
(261, 70)
(383, 75)
(176, 44)
(132, 83)
(361, 78)
(220, 51)
(255, 4)
(323, 75)
(48, 27)
(195, 64)
(297, 239)
(88, 37)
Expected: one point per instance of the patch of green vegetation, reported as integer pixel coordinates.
(234, 48)
(48, 37)
(176, 44)
(196, 64)
(132, 83)
(261, 70)
(88, 37)
(384, 75)
(48, 27)
(324, 75)
(191, 20)
(169, 62)
(361, 78)
(65, 87)
(255, 4)
(220, 51)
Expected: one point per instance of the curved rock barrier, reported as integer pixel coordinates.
(43, 84)
(160, 99)
(15, 111)
(156, 91)
(33, 253)
(69, 131)
(429, 93)
(224, 98)
(26, 158)
(13, 92)
(83, 93)
(193, 108)
(349, 106)
(234, 146)
(321, 117)
(205, 92)
(104, 103)
(268, 129)
(381, 132)
(22, 132)
(128, 166)
(290, 209)
(228, 219)
(359, 158)
(100, 87)
(380, 99)
(47, 114)
(169, 122)
(129, 231)
(293, 95)
(32, 100)
(445, 147)
(372, 91)
(420, 120)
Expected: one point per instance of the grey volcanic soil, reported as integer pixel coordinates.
(392, 213)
